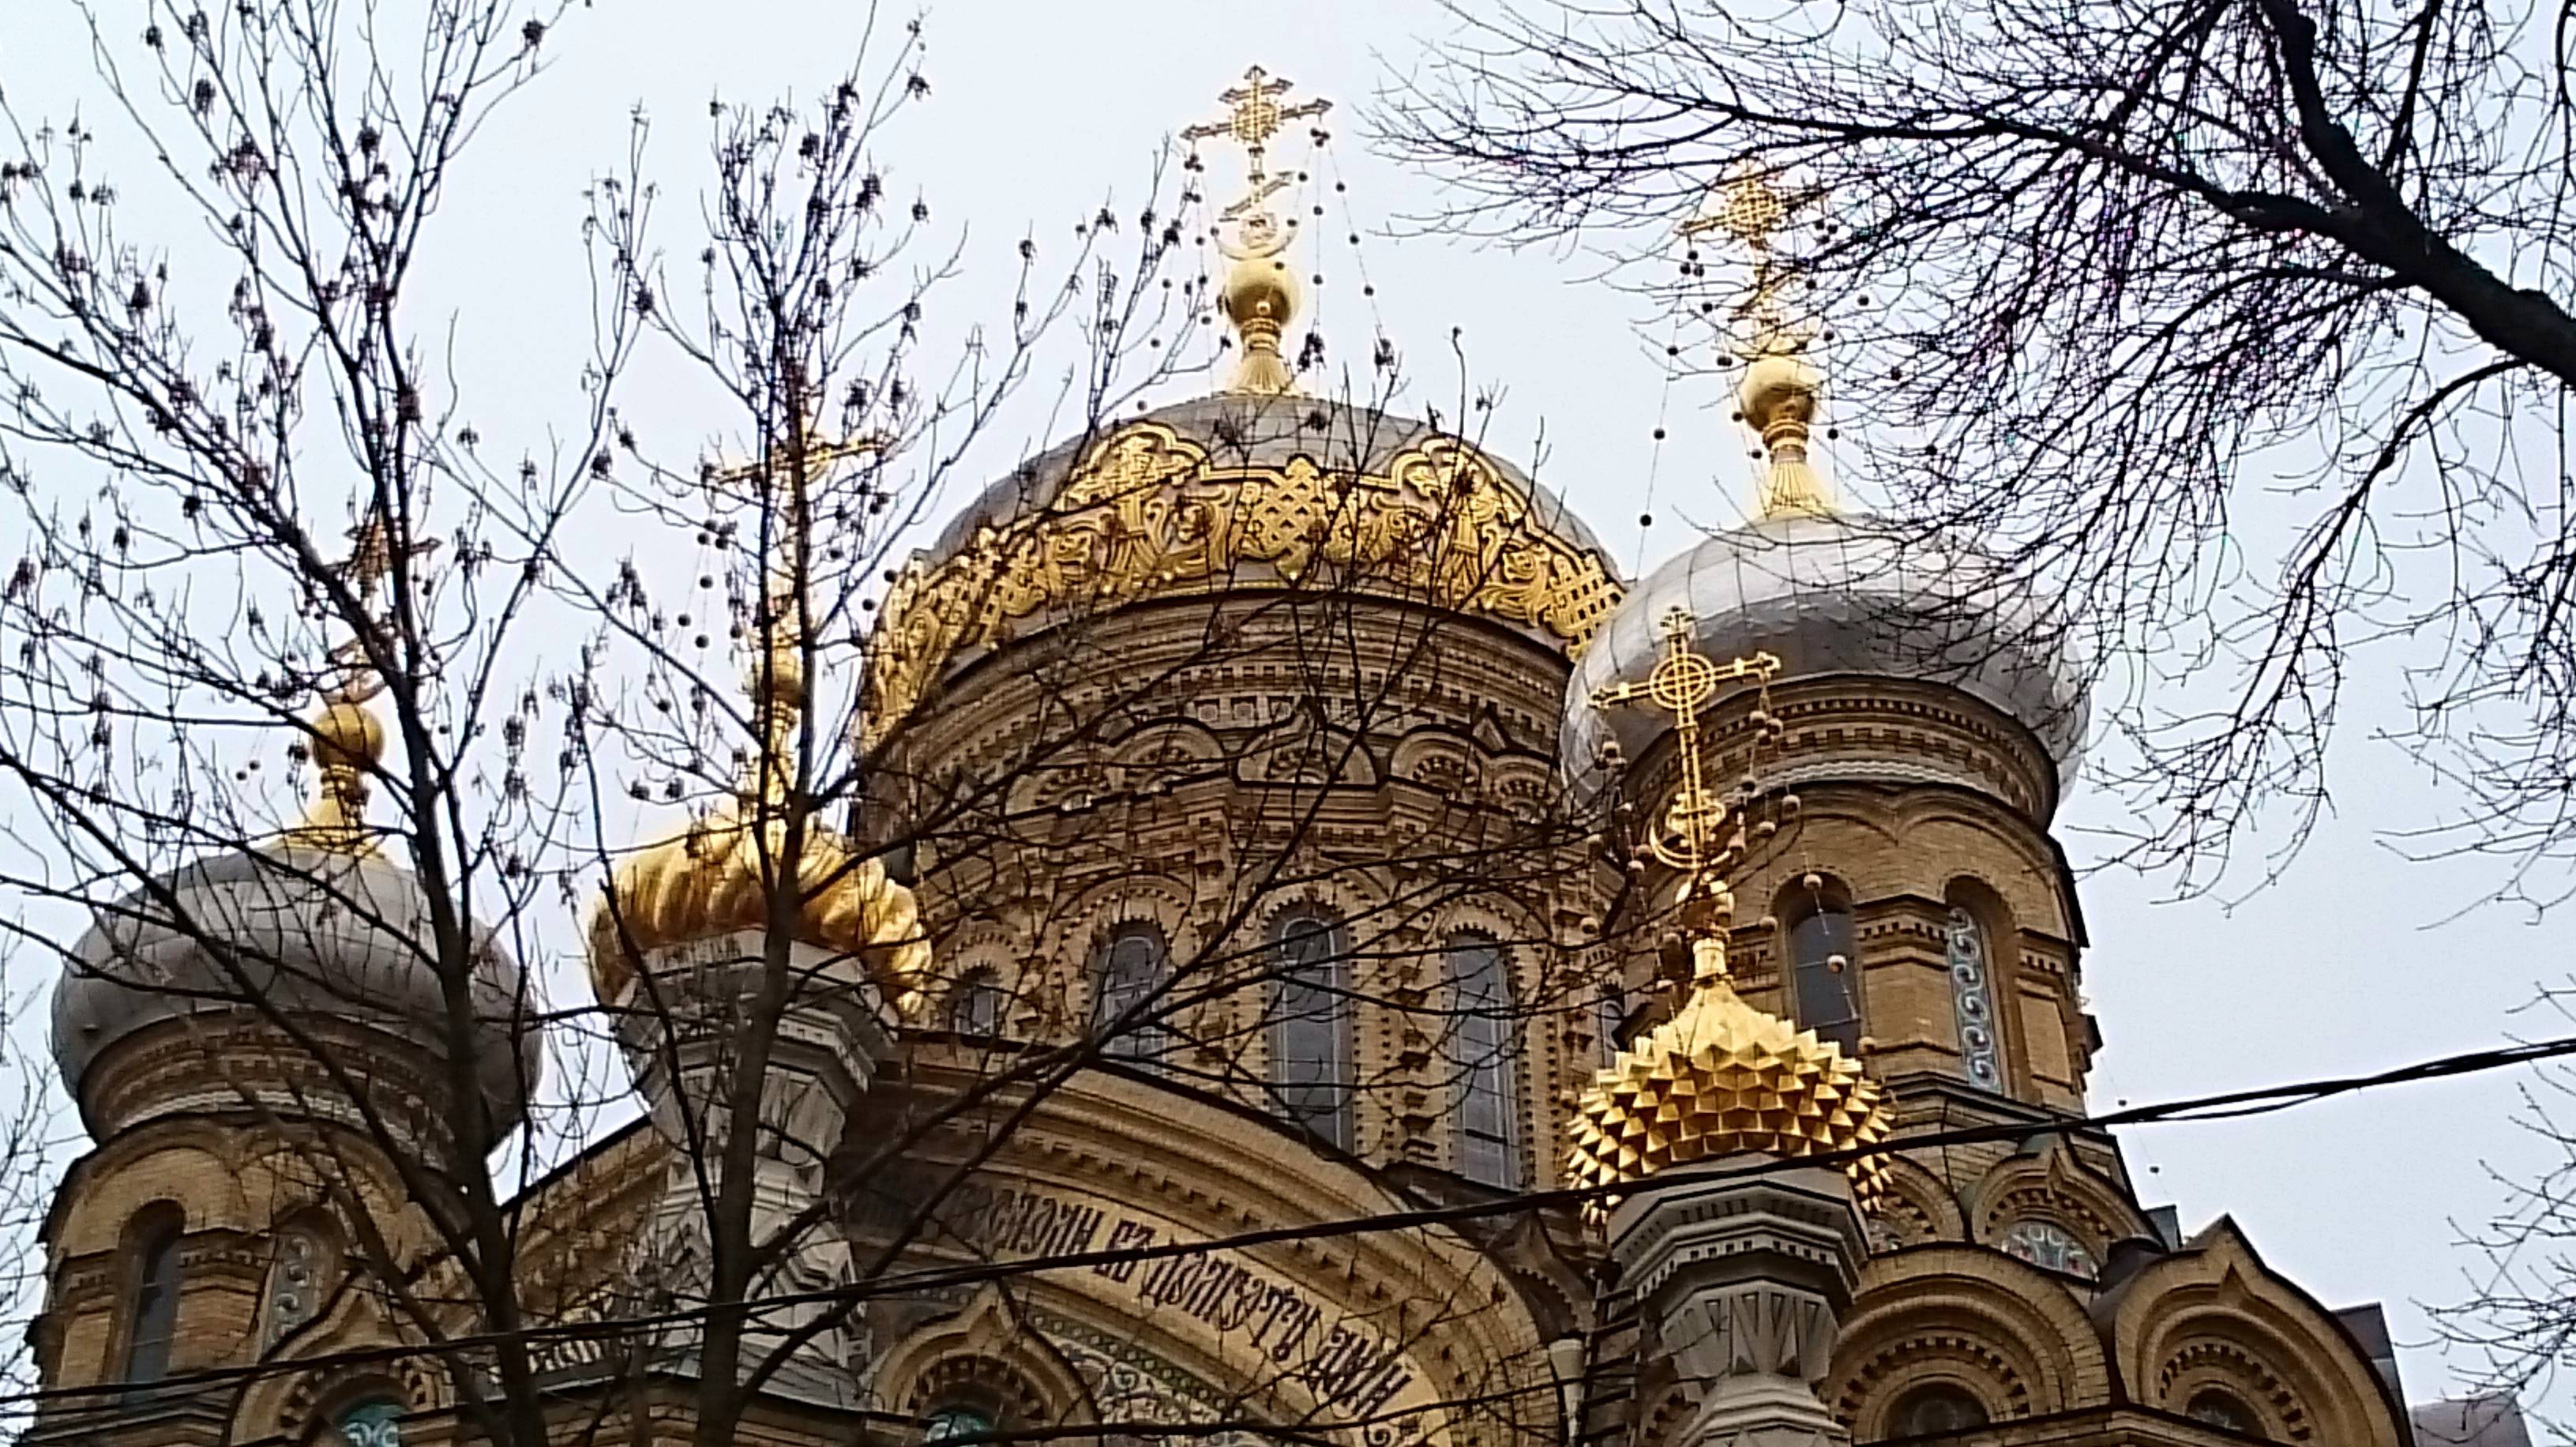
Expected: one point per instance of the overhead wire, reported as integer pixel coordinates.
(2219, 1106)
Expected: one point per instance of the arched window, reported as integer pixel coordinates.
(1972, 998)
(152, 1304)
(2220, 1409)
(372, 1423)
(1609, 1015)
(953, 1423)
(975, 1004)
(1825, 972)
(1488, 1144)
(1310, 1043)
(1935, 1408)
(2047, 1244)
(1126, 978)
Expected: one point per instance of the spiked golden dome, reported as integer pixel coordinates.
(1722, 1078)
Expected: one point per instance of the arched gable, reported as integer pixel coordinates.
(2054, 1186)
(1372, 1326)
(2212, 1316)
(2008, 1334)
(1917, 1207)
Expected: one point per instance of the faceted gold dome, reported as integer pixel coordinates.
(710, 880)
(1721, 1078)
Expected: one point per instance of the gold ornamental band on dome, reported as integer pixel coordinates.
(1146, 515)
(714, 877)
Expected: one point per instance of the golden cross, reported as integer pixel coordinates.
(1692, 840)
(785, 483)
(1255, 115)
(778, 678)
(369, 564)
(1748, 209)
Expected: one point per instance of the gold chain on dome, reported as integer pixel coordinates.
(1718, 1078)
(1261, 292)
(1780, 389)
(348, 739)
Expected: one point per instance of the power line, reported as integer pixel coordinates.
(2226, 1105)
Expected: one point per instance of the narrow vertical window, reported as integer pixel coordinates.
(1972, 1000)
(1480, 985)
(152, 1312)
(1609, 1016)
(975, 1004)
(1824, 974)
(1126, 981)
(1311, 1039)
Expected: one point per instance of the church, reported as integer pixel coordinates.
(1413, 986)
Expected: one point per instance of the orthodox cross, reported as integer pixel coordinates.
(1696, 837)
(785, 481)
(1254, 116)
(1748, 209)
(778, 679)
(369, 564)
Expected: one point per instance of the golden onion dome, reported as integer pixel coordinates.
(1722, 1078)
(1241, 491)
(712, 879)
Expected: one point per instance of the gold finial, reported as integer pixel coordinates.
(1700, 835)
(1260, 290)
(348, 740)
(1780, 387)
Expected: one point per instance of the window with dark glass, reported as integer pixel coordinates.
(1825, 974)
(1311, 1038)
(1609, 1013)
(2221, 1410)
(1126, 982)
(1479, 979)
(975, 1004)
(950, 1424)
(152, 1316)
(1930, 1410)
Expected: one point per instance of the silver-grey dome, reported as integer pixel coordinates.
(309, 931)
(1250, 430)
(1839, 595)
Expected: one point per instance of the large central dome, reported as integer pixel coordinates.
(1240, 491)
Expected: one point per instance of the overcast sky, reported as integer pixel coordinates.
(2355, 960)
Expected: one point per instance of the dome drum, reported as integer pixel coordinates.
(680, 1019)
(1844, 728)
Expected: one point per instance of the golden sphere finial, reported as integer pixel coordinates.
(347, 736)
